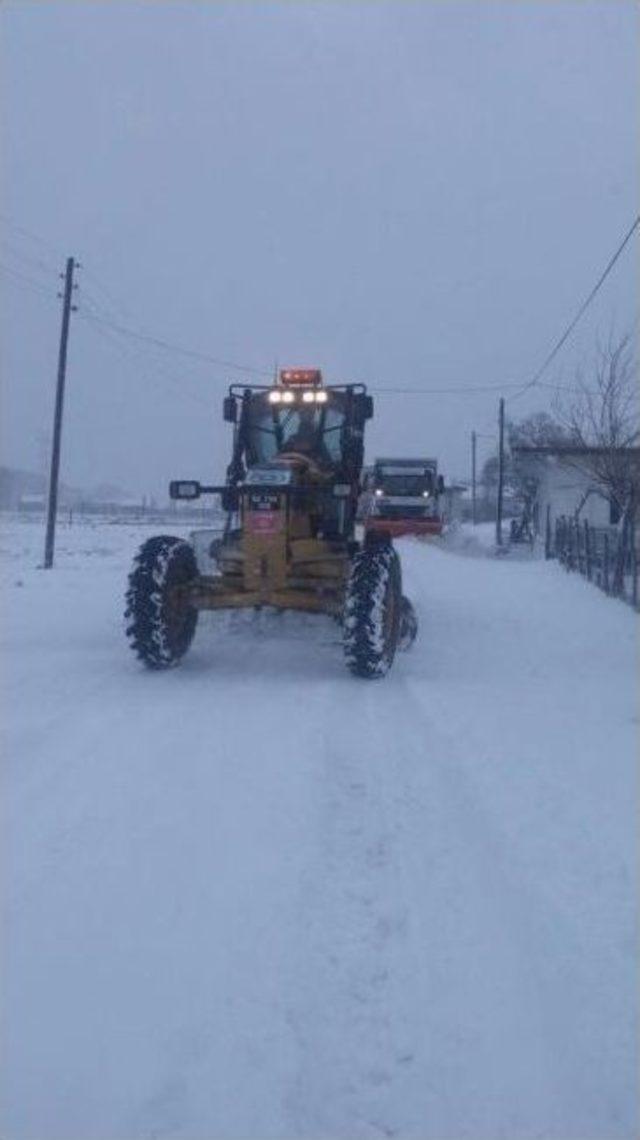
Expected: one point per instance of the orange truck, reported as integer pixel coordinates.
(404, 497)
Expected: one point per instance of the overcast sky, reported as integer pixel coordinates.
(413, 194)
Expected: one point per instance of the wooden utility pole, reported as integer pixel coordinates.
(500, 473)
(52, 506)
(473, 478)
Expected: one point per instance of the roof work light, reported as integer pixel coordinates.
(300, 377)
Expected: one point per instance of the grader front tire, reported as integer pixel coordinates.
(372, 611)
(159, 623)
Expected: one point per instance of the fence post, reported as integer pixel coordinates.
(547, 534)
(634, 566)
(579, 547)
(622, 537)
(587, 549)
(605, 563)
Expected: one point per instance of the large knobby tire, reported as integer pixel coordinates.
(371, 622)
(408, 624)
(160, 627)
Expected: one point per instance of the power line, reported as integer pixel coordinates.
(124, 330)
(465, 390)
(26, 282)
(585, 304)
(30, 234)
(113, 303)
(13, 250)
(101, 318)
(439, 391)
(128, 354)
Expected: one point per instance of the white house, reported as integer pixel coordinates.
(566, 485)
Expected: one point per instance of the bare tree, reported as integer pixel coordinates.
(602, 421)
(521, 473)
(537, 430)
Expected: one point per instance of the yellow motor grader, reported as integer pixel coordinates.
(290, 536)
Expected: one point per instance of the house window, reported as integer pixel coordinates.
(614, 512)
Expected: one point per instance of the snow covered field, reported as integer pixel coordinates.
(254, 897)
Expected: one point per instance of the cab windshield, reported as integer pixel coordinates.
(406, 485)
(309, 429)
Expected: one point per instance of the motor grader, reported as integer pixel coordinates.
(289, 541)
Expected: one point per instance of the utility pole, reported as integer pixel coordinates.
(67, 309)
(500, 473)
(473, 478)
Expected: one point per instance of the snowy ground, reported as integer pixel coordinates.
(254, 897)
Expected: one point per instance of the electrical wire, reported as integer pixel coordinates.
(584, 306)
(91, 312)
(128, 354)
(13, 250)
(117, 308)
(27, 282)
(98, 315)
(31, 235)
(124, 330)
(437, 391)
(464, 390)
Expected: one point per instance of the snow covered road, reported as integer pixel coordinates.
(254, 897)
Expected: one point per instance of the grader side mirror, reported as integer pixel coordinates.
(367, 407)
(184, 489)
(230, 409)
(440, 484)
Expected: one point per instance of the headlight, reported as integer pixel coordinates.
(378, 492)
(321, 397)
(275, 397)
(287, 397)
(308, 397)
(425, 494)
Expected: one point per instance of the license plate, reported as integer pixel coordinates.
(264, 501)
(264, 522)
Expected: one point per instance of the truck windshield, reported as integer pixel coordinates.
(408, 484)
(311, 429)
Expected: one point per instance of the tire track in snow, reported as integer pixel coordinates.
(350, 972)
(421, 977)
(516, 1038)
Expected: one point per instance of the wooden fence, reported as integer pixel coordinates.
(605, 555)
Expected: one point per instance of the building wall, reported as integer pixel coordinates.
(563, 489)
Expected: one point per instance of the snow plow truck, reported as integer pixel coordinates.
(404, 498)
(289, 539)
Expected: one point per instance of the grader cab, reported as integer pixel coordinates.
(289, 540)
